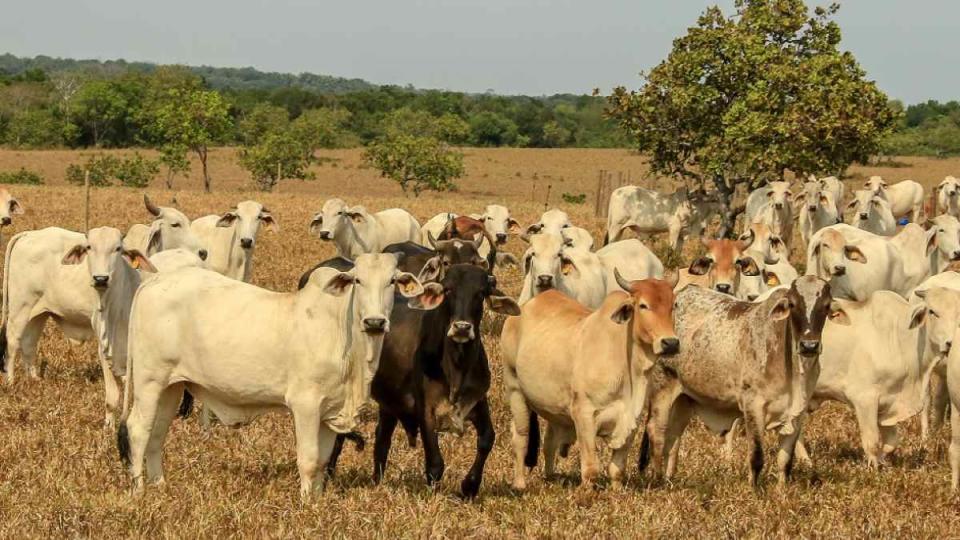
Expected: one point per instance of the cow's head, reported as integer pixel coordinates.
(460, 297)
(813, 197)
(868, 205)
(779, 195)
(334, 216)
(723, 264)
(948, 191)
(577, 238)
(755, 276)
(940, 311)
(808, 304)
(103, 251)
(552, 222)
(650, 309)
(496, 219)
(944, 237)
(831, 255)
(546, 262)
(8, 207)
(247, 217)
(759, 237)
(449, 253)
(876, 185)
(171, 230)
(374, 279)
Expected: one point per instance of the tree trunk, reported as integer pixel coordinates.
(169, 178)
(202, 153)
(728, 221)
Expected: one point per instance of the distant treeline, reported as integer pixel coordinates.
(926, 129)
(50, 102)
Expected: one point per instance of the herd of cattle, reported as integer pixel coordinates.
(599, 342)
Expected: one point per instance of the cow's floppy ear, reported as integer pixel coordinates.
(270, 222)
(15, 207)
(316, 223)
(748, 266)
(852, 204)
(747, 238)
(932, 241)
(921, 293)
(780, 310)
(429, 298)
(431, 270)
(227, 219)
(837, 315)
(623, 313)
(503, 304)
(138, 260)
(919, 316)
(854, 254)
(357, 213)
(534, 229)
(155, 242)
(799, 196)
(408, 285)
(513, 226)
(700, 266)
(339, 284)
(75, 255)
(567, 266)
(771, 278)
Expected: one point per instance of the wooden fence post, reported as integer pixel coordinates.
(86, 197)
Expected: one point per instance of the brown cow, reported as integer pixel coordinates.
(584, 371)
(757, 360)
(720, 267)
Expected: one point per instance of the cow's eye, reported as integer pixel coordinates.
(566, 226)
(175, 225)
(119, 248)
(932, 313)
(446, 262)
(393, 281)
(643, 306)
(356, 281)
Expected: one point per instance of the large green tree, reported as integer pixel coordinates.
(743, 98)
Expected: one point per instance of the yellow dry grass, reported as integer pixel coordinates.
(60, 475)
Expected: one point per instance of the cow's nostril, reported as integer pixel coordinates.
(246, 243)
(462, 325)
(6, 221)
(202, 254)
(752, 297)
(545, 281)
(723, 287)
(863, 216)
(374, 324)
(324, 235)
(839, 270)
(809, 345)
(501, 238)
(947, 346)
(669, 345)
(101, 281)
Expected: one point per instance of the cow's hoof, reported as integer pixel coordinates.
(469, 488)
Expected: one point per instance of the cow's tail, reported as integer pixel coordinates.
(123, 435)
(644, 452)
(5, 304)
(606, 237)
(186, 404)
(533, 442)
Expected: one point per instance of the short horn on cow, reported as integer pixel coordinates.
(623, 283)
(431, 240)
(152, 208)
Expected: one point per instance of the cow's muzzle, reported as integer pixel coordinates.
(461, 331)
(202, 254)
(812, 208)
(5, 220)
(810, 347)
(101, 282)
(375, 325)
(325, 235)
(669, 346)
(246, 243)
(723, 287)
(544, 282)
(839, 271)
(863, 216)
(501, 238)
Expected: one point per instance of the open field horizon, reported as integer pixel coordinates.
(61, 475)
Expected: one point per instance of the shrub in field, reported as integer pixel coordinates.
(420, 163)
(106, 170)
(570, 198)
(277, 155)
(23, 176)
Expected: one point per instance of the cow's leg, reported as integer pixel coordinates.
(386, 424)
(306, 421)
(480, 417)
(111, 391)
(618, 463)
(26, 338)
(554, 437)
(139, 427)
(326, 439)
(801, 454)
(866, 411)
(432, 458)
(754, 425)
(680, 416)
(585, 424)
(730, 440)
(889, 439)
(785, 455)
(662, 402)
(167, 404)
(954, 451)
(939, 400)
(331, 469)
(519, 434)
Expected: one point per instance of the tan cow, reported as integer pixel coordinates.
(719, 269)
(584, 371)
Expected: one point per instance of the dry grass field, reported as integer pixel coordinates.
(61, 477)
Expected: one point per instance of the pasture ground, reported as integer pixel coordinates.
(60, 474)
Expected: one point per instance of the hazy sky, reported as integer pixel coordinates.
(511, 46)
